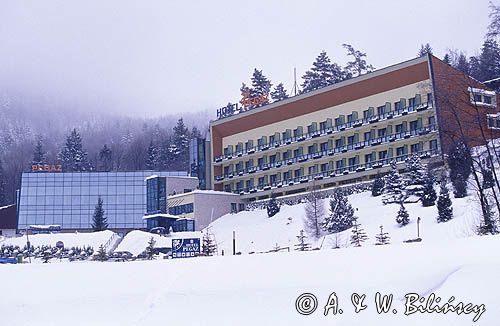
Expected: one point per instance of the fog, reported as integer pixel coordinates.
(151, 58)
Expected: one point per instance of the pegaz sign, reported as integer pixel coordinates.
(185, 248)
(46, 168)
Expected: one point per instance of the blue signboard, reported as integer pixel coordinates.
(184, 248)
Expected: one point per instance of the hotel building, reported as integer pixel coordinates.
(350, 131)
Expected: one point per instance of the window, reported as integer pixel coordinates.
(297, 133)
(415, 148)
(233, 208)
(310, 129)
(429, 97)
(261, 182)
(286, 176)
(413, 125)
(322, 125)
(432, 120)
(297, 173)
(339, 164)
(249, 164)
(273, 178)
(433, 144)
(350, 118)
(482, 97)
(478, 98)
(260, 162)
(400, 151)
(324, 146)
(381, 110)
(382, 132)
(350, 140)
(324, 167)
(312, 169)
(411, 102)
(382, 155)
(366, 114)
(296, 152)
(271, 139)
(311, 149)
(399, 128)
(352, 161)
(368, 158)
(487, 99)
(368, 135)
(227, 188)
(338, 143)
(397, 106)
(241, 207)
(286, 155)
(249, 184)
(272, 159)
(338, 121)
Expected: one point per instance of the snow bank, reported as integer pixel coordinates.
(136, 241)
(94, 239)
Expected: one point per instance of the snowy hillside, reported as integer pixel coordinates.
(256, 232)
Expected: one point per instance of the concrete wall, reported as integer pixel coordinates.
(204, 203)
(178, 184)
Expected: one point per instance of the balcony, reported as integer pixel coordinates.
(333, 173)
(326, 131)
(344, 149)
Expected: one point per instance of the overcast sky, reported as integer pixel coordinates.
(148, 58)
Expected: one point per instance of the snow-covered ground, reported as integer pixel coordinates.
(136, 241)
(258, 289)
(256, 232)
(77, 239)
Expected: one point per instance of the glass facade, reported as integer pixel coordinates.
(156, 195)
(197, 158)
(69, 199)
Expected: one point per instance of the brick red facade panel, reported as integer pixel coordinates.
(458, 118)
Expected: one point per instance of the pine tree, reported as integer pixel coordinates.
(424, 50)
(488, 181)
(105, 156)
(101, 254)
(358, 65)
(487, 65)
(382, 238)
(429, 195)
(415, 170)
(150, 249)
(322, 73)
(273, 206)
(279, 93)
(152, 156)
(99, 221)
(195, 133)
(72, 156)
(302, 245)
(341, 215)
(462, 64)
(403, 217)
(3, 191)
(445, 210)
(460, 164)
(378, 186)
(179, 149)
(39, 153)
(394, 185)
(358, 235)
(209, 247)
(447, 59)
(314, 214)
(488, 224)
(261, 86)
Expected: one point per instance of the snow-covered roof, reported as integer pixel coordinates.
(205, 192)
(151, 177)
(146, 217)
(4, 207)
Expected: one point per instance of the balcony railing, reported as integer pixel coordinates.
(330, 152)
(332, 173)
(325, 131)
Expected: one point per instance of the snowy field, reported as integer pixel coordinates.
(136, 241)
(258, 289)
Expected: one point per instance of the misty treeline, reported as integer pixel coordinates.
(88, 141)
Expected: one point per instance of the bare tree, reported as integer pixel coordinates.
(314, 213)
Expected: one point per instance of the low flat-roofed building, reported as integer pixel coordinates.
(204, 206)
